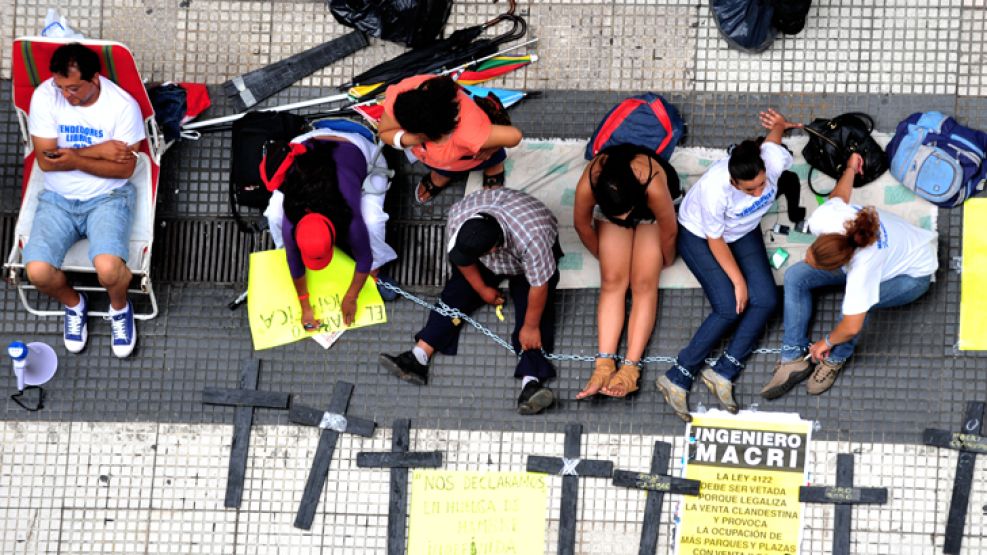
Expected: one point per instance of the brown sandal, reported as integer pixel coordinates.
(604, 370)
(428, 187)
(493, 181)
(625, 378)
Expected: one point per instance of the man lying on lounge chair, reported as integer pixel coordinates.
(85, 131)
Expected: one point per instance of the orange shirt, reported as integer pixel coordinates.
(455, 152)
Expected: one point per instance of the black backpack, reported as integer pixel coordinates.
(789, 16)
(832, 141)
(252, 133)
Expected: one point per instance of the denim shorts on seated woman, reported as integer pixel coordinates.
(60, 222)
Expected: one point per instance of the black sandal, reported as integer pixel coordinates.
(493, 181)
(428, 187)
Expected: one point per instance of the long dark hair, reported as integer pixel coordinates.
(432, 108)
(745, 160)
(833, 250)
(617, 189)
(312, 185)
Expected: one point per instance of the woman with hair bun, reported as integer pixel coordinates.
(446, 130)
(882, 260)
(721, 242)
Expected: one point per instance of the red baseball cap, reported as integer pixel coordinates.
(315, 236)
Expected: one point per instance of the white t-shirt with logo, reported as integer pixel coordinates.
(715, 208)
(114, 116)
(900, 249)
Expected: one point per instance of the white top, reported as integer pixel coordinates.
(714, 208)
(900, 249)
(114, 116)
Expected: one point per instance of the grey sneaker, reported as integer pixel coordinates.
(823, 377)
(722, 388)
(676, 397)
(787, 375)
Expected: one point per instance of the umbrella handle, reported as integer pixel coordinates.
(518, 29)
(510, 11)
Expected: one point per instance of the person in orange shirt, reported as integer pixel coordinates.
(446, 130)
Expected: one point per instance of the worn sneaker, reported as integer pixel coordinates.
(676, 397)
(823, 376)
(722, 388)
(534, 398)
(787, 375)
(76, 331)
(406, 367)
(124, 332)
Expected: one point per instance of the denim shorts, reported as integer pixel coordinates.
(495, 159)
(60, 222)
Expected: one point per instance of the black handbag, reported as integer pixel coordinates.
(832, 141)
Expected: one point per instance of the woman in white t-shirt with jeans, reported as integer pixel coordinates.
(721, 242)
(883, 261)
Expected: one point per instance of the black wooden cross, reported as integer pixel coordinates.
(399, 460)
(657, 484)
(843, 495)
(333, 422)
(245, 399)
(571, 468)
(969, 443)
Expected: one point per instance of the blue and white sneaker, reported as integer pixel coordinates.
(76, 331)
(124, 332)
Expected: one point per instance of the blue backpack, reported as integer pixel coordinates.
(938, 159)
(646, 120)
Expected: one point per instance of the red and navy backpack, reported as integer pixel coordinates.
(646, 120)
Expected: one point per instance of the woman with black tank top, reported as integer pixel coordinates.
(625, 216)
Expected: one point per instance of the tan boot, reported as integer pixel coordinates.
(787, 375)
(722, 388)
(676, 397)
(823, 377)
(602, 372)
(624, 382)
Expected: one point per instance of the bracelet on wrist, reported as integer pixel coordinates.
(303, 297)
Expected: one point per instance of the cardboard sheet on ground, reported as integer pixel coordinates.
(273, 308)
(751, 466)
(477, 513)
(973, 294)
(550, 169)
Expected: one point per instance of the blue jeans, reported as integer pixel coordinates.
(60, 222)
(752, 258)
(801, 279)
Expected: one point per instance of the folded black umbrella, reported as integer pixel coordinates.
(459, 48)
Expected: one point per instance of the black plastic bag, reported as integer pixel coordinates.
(745, 24)
(789, 16)
(410, 22)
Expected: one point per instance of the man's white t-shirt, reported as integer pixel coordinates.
(714, 208)
(114, 116)
(900, 249)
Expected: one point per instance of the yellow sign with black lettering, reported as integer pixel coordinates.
(274, 310)
(751, 466)
(477, 513)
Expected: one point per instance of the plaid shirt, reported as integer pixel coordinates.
(530, 232)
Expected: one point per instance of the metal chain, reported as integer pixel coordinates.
(455, 314)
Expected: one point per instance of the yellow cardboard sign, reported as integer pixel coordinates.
(751, 467)
(477, 513)
(973, 294)
(274, 310)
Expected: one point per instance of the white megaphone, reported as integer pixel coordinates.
(34, 365)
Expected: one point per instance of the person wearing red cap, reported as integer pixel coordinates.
(445, 129)
(323, 190)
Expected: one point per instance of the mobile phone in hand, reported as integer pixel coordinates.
(50, 154)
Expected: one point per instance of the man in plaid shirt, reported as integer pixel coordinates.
(497, 234)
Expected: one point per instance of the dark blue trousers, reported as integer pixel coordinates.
(443, 335)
